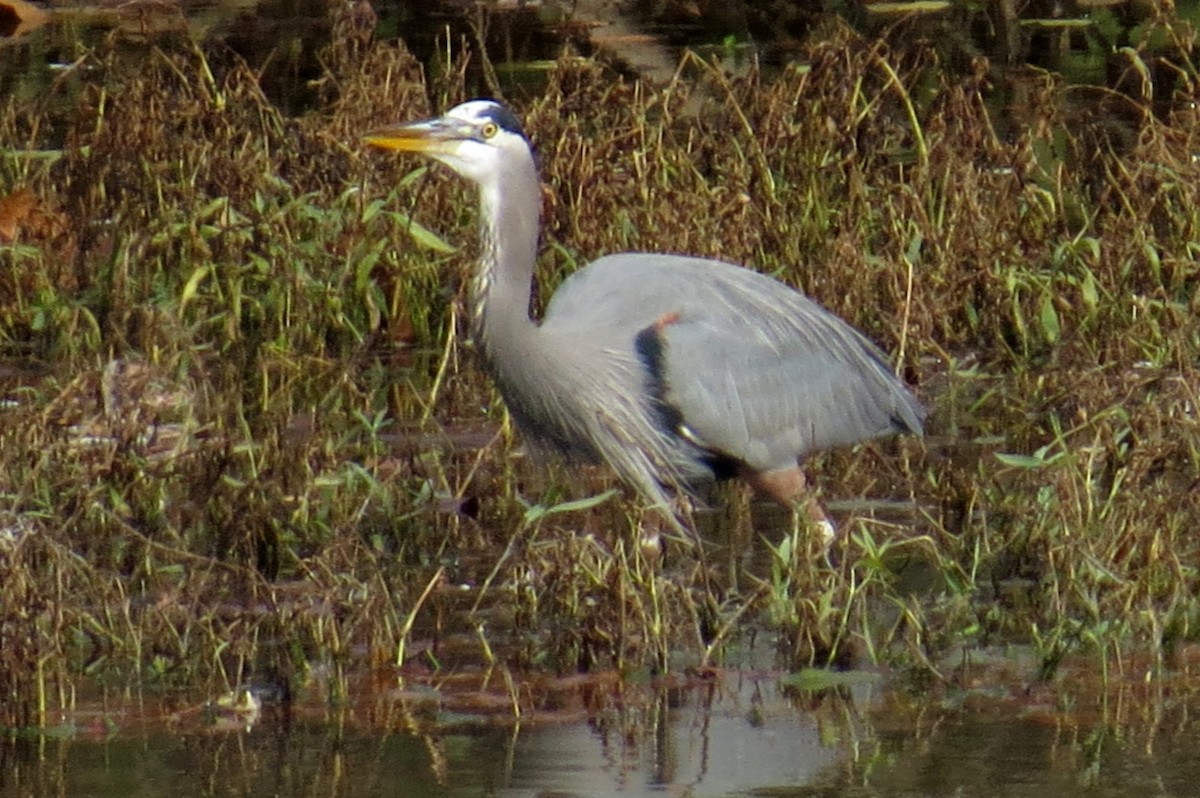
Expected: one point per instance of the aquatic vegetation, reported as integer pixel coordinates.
(238, 433)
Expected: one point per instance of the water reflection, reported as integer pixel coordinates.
(722, 739)
(308, 758)
(713, 738)
(740, 736)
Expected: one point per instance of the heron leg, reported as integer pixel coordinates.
(788, 486)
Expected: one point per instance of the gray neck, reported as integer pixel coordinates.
(510, 210)
(526, 363)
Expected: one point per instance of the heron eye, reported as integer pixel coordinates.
(490, 129)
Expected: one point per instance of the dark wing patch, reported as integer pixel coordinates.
(651, 350)
(651, 347)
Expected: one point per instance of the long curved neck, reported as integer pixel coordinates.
(524, 361)
(510, 211)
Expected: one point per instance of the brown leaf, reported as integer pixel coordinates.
(15, 208)
(18, 17)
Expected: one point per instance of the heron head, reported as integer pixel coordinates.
(476, 139)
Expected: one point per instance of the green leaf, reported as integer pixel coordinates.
(1091, 295)
(1019, 460)
(537, 512)
(1049, 318)
(1042, 457)
(192, 287)
(429, 239)
(413, 176)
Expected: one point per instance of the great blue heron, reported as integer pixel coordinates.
(676, 371)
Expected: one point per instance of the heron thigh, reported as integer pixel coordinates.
(787, 486)
(784, 485)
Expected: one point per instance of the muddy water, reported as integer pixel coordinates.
(739, 735)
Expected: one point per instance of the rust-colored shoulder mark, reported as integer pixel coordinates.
(666, 320)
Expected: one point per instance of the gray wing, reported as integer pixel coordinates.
(744, 365)
(770, 402)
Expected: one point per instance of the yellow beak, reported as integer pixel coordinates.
(429, 137)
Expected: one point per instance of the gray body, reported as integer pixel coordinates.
(749, 375)
(674, 370)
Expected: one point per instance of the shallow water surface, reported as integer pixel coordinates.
(742, 734)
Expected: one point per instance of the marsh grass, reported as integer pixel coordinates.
(222, 454)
